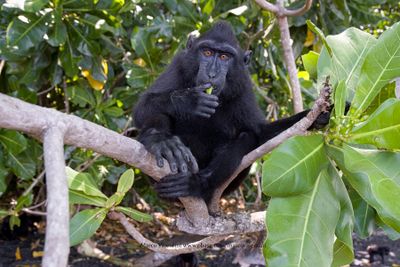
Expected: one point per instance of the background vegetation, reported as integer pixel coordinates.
(94, 58)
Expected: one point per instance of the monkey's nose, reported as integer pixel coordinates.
(212, 74)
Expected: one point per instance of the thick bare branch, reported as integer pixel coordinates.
(238, 223)
(56, 247)
(300, 128)
(32, 119)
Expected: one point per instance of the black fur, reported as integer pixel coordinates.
(204, 137)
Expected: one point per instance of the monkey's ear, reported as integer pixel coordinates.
(247, 57)
(190, 41)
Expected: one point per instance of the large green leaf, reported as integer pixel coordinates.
(375, 176)
(349, 51)
(83, 182)
(301, 229)
(381, 65)
(382, 128)
(135, 214)
(13, 141)
(84, 224)
(293, 166)
(343, 248)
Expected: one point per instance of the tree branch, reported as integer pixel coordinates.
(320, 105)
(32, 119)
(290, 63)
(56, 247)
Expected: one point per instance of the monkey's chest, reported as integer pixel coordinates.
(204, 137)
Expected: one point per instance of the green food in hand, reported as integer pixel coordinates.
(209, 90)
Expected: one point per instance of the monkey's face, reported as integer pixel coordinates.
(215, 60)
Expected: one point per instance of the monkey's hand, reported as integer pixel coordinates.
(179, 156)
(180, 185)
(175, 185)
(195, 101)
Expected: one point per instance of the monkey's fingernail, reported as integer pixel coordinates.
(160, 163)
(187, 158)
(174, 169)
(184, 168)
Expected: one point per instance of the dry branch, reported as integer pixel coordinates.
(175, 249)
(32, 119)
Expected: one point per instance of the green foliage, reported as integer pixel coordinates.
(82, 190)
(362, 145)
(293, 167)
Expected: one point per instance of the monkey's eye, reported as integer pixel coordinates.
(224, 57)
(208, 53)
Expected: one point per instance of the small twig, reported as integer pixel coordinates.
(175, 249)
(37, 205)
(34, 183)
(46, 91)
(85, 165)
(34, 212)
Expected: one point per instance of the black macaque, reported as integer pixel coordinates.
(204, 136)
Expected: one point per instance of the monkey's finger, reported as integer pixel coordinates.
(180, 193)
(178, 156)
(159, 158)
(208, 97)
(167, 153)
(207, 110)
(189, 158)
(171, 181)
(209, 103)
(169, 186)
(202, 114)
